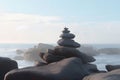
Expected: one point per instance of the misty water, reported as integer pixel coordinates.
(9, 50)
(104, 59)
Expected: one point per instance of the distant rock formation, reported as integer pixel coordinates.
(20, 51)
(109, 50)
(32, 54)
(89, 50)
(18, 58)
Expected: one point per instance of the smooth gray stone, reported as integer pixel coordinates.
(67, 36)
(66, 69)
(68, 43)
(6, 64)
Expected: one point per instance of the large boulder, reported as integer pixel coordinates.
(72, 52)
(6, 64)
(112, 75)
(66, 69)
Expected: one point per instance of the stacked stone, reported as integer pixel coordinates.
(66, 49)
(67, 46)
(67, 39)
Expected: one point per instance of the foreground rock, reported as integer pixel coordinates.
(112, 67)
(66, 69)
(113, 75)
(6, 65)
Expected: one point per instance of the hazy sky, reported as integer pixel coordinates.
(34, 21)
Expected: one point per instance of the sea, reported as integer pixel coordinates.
(9, 50)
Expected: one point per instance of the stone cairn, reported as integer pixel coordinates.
(67, 48)
(67, 39)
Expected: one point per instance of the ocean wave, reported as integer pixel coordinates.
(104, 59)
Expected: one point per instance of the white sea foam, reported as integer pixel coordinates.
(10, 51)
(11, 54)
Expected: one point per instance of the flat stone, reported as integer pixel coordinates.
(49, 58)
(66, 51)
(67, 36)
(68, 43)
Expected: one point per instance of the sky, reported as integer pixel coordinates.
(41, 21)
